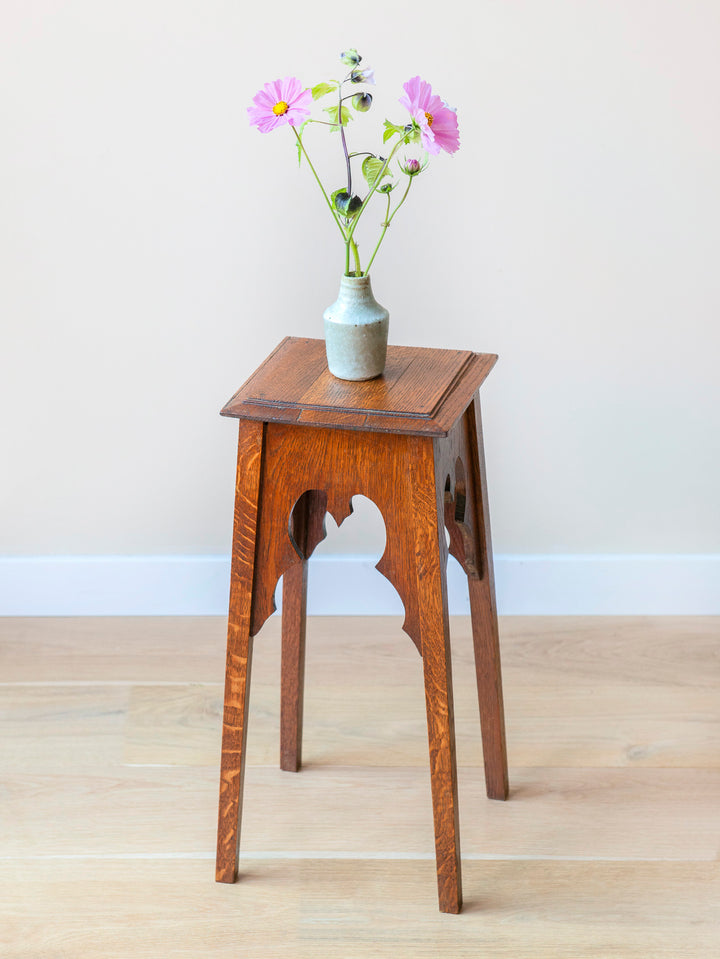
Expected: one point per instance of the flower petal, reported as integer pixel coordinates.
(445, 130)
(275, 90)
(291, 88)
(412, 91)
(288, 91)
(264, 99)
(433, 105)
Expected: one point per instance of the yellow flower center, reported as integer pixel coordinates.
(429, 118)
(280, 108)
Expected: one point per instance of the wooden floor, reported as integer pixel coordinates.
(109, 749)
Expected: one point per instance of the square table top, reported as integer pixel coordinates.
(422, 391)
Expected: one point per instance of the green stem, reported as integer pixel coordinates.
(388, 221)
(348, 168)
(383, 168)
(386, 224)
(407, 190)
(358, 268)
(345, 236)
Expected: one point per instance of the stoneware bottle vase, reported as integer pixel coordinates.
(356, 331)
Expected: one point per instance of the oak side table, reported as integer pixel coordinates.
(411, 441)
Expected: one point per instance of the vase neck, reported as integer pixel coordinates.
(355, 287)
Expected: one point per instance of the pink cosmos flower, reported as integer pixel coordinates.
(438, 123)
(278, 103)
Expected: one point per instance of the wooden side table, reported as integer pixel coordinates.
(411, 441)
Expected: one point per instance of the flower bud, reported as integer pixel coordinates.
(346, 204)
(412, 167)
(362, 102)
(350, 57)
(362, 76)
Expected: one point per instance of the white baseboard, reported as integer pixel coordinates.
(350, 585)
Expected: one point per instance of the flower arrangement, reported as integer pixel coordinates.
(432, 124)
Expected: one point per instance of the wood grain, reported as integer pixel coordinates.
(422, 391)
(307, 530)
(565, 910)
(140, 649)
(333, 811)
(483, 610)
(461, 469)
(349, 720)
(609, 847)
(430, 555)
(305, 471)
(678, 653)
(410, 440)
(239, 648)
(56, 727)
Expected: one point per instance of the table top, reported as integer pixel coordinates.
(422, 391)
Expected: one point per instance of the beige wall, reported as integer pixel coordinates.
(154, 249)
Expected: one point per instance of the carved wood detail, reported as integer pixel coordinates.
(336, 465)
(461, 494)
(369, 472)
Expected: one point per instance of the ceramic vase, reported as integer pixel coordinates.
(356, 331)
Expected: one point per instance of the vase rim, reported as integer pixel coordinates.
(355, 279)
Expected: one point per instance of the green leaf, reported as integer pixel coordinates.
(344, 117)
(322, 90)
(390, 130)
(413, 135)
(371, 170)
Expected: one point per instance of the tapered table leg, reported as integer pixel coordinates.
(483, 611)
(431, 559)
(308, 529)
(489, 686)
(239, 650)
(292, 668)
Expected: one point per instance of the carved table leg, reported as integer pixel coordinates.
(483, 611)
(430, 558)
(239, 649)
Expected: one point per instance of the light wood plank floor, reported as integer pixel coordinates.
(109, 748)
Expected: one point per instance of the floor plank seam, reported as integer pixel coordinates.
(52, 683)
(343, 855)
